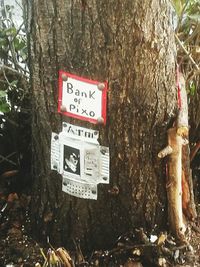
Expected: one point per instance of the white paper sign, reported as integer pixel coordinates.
(55, 152)
(91, 162)
(79, 189)
(82, 98)
(79, 160)
(82, 164)
(80, 133)
(104, 165)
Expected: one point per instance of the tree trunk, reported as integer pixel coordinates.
(131, 45)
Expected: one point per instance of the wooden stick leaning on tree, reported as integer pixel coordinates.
(174, 186)
(179, 182)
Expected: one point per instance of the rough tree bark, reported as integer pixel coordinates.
(131, 45)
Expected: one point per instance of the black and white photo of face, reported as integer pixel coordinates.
(71, 160)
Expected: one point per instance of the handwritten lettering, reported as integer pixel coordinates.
(81, 111)
(70, 90)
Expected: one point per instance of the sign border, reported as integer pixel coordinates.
(103, 100)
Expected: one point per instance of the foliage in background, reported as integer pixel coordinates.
(13, 57)
(188, 31)
(15, 102)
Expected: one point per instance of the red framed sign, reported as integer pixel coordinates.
(82, 98)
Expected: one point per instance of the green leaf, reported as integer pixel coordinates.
(2, 94)
(3, 42)
(11, 31)
(195, 17)
(19, 44)
(24, 53)
(14, 83)
(2, 33)
(192, 89)
(178, 6)
(4, 107)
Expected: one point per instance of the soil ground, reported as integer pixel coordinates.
(18, 248)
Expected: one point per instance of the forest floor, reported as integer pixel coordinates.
(19, 249)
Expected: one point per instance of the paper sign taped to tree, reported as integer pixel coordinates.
(82, 98)
(79, 189)
(80, 133)
(55, 152)
(81, 163)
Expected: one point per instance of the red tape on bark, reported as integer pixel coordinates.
(178, 87)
